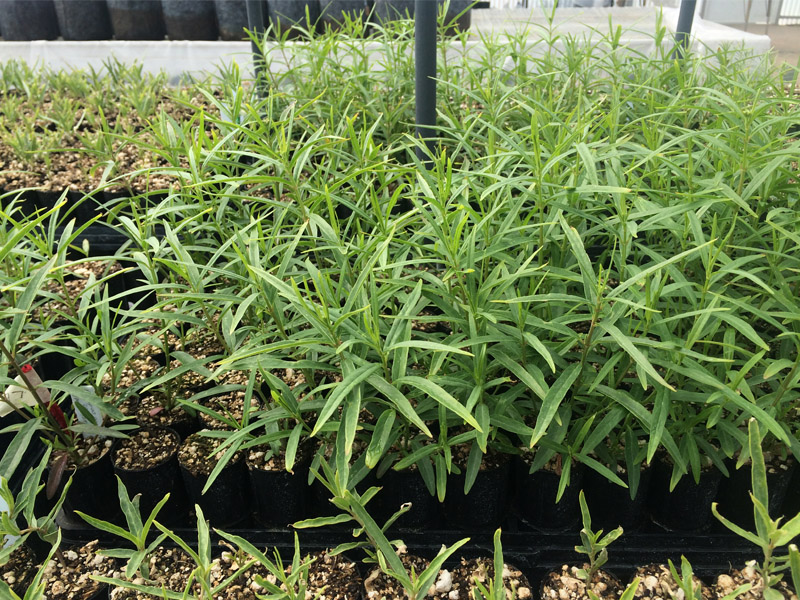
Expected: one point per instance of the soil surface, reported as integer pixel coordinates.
(151, 411)
(199, 456)
(726, 583)
(76, 278)
(245, 586)
(263, 458)
(170, 567)
(458, 583)
(71, 581)
(554, 465)
(379, 585)
(656, 583)
(333, 578)
(229, 405)
(137, 369)
(490, 461)
(566, 585)
(145, 448)
(19, 570)
(89, 449)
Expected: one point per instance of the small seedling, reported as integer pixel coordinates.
(136, 534)
(694, 591)
(377, 546)
(770, 534)
(289, 584)
(495, 589)
(595, 545)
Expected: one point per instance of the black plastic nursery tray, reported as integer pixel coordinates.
(533, 551)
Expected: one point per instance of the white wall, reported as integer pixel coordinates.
(735, 11)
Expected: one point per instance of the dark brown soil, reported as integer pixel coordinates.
(19, 570)
(245, 586)
(229, 405)
(262, 457)
(457, 583)
(554, 465)
(137, 369)
(380, 586)
(566, 585)
(430, 322)
(151, 411)
(656, 583)
(775, 461)
(145, 448)
(199, 456)
(89, 449)
(170, 567)
(726, 583)
(76, 278)
(490, 461)
(71, 581)
(334, 578)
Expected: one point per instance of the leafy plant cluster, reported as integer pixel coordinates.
(601, 265)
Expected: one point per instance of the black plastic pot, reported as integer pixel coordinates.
(688, 506)
(190, 19)
(81, 20)
(279, 497)
(391, 10)
(54, 365)
(154, 482)
(136, 19)
(83, 209)
(26, 202)
(332, 12)
(93, 490)
(734, 501)
(611, 505)
(484, 507)
(231, 19)
(404, 486)
(226, 501)
(134, 280)
(285, 15)
(535, 497)
(183, 427)
(25, 20)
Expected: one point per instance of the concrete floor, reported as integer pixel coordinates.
(785, 40)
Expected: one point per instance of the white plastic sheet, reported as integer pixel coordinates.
(177, 58)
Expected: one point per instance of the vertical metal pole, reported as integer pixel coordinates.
(684, 30)
(255, 23)
(425, 67)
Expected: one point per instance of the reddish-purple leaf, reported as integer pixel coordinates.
(55, 475)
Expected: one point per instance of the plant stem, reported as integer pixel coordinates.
(54, 426)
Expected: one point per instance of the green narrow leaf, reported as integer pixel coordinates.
(639, 358)
(794, 564)
(13, 453)
(291, 446)
(341, 392)
(553, 400)
(752, 538)
(400, 402)
(584, 263)
(441, 396)
(473, 467)
(661, 409)
(537, 387)
(777, 366)
(322, 522)
(380, 436)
